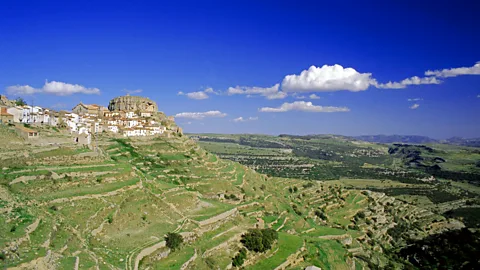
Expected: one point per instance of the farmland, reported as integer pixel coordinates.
(65, 206)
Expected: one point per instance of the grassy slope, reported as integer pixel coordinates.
(165, 185)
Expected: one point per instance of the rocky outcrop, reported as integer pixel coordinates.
(4, 101)
(132, 103)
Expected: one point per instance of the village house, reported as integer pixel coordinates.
(92, 109)
(130, 115)
(30, 114)
(5, 117)
(145, 114)
(112, 128)
(27, 133)
(17, 113)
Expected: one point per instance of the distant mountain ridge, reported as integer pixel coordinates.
(416, 139)
(395, 139)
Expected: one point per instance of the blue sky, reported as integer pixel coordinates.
(240, 54)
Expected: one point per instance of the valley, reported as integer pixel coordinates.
(109, 207)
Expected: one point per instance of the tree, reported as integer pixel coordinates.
(20, 102)
(174, 240)
(259, 240)
(253, 240)
(269, 237)
(239, 258)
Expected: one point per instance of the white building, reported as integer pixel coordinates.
(131, 115)
(112, 128)
(17, 113)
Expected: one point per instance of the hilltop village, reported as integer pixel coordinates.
(125, 116)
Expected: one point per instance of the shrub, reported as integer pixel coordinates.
(308, 185)
(174, 240)
(239, 258)
(259, 240)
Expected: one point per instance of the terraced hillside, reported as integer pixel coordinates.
(65, 207)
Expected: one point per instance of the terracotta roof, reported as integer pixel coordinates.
(3, 111)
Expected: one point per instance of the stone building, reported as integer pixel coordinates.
(5, 117)
(26, 133)
(91, 109)
(133, 104)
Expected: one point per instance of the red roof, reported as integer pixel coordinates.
(3, 111)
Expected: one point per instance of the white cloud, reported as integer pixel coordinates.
(414, 106)
(300, 97)
(478, 96)
(210, 90)
(415, 99)
(454, 72)
(21, 90)
(54, 88)
(326, 79)
(268, 92)
(200, 115)
(406, 82)
(131, 92)
(194, 95)
(197, 95)
(313, 96)
(303, 106)
(241, 119)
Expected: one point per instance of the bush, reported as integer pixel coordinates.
(259, 240)
(174, 240)
(238, 260)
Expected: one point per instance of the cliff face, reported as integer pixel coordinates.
(132, 103)
(4, 101)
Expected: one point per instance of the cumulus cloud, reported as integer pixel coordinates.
(409, 81)
(268, 92)
(200, 115)
(199, 95)
(454, 72)
(131, 92)
(415, 99)
(53, 88)
(326, 79)
(414, 106)
(21, 90)
(313, 96)
(210, 90)
(241, 119)
(303, 106)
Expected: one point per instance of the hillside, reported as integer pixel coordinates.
(67, 207)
